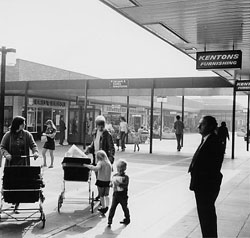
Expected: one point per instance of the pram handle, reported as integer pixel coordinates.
(27, 156)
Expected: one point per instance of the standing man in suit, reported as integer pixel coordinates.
(206, 176)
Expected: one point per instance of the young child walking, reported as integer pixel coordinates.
(120, 183)
(103, 169)
(137, 140)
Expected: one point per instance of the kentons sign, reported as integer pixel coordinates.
(219, 60)
(242, 85)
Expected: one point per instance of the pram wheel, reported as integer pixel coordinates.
(60, 202)
(92, 202)
(43, 219)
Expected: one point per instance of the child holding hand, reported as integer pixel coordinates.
(103, 169)
(120, 183)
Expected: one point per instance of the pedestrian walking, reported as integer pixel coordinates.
(223, 135)
(62, 128)
(118, 141)
(16, 145)
(136, 139)
(179, 127)
(50, 133)
(102, 140)
(103, 169)
(17, 142)
(206, 177)
(123, 130)
(120, 182)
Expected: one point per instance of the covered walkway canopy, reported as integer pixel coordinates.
(195, 26)
(70, 89)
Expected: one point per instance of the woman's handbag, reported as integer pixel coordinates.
(44, 138)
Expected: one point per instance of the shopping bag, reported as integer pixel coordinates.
(43, 138)
(74, 151)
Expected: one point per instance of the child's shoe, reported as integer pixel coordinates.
(125, 221)
(103, 210)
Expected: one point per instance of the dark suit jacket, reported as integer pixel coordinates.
(207, 162)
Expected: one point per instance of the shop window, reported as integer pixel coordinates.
(8, 115)
(31, 120)
(56, 113)
(74, 122)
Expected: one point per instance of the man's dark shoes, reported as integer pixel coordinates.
(109, 224)
(125, 221)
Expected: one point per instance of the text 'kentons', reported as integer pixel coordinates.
(219, 57)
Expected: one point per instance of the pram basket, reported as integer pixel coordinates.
(74, 171)
(22, 184)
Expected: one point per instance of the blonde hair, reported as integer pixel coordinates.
(101, 156)
(122, 164)
(50, 122)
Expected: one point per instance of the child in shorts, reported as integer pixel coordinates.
(103, 169)
(120, 192)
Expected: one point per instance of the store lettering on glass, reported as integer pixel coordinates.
(44, 102)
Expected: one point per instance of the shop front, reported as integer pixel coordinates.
(40, 110)
(76, 123)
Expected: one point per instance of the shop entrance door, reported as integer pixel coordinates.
(76, 125)
(46, 115)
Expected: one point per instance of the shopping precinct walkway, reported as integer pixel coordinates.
(160, 202)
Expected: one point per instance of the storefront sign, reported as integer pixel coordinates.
(121, 83)
(108, 108)
(242, 85)
(219, 59)
(46, 102)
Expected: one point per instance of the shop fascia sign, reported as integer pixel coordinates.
(119, 83)
(46, 102)
(242, 85)
(219, 60)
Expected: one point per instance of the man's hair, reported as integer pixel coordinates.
(223, 123)
(178, 117)
(211, 122)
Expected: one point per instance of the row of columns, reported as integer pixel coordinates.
(151, 115)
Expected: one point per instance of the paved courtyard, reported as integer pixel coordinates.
(160, 202)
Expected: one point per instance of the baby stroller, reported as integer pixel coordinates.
(74, 171)
(22, 184)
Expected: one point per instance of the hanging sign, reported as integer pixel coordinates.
(219, 60)
(242, 85)
(120, 83)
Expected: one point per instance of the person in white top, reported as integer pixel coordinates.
(123, 130)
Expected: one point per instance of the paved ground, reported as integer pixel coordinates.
(159, 200)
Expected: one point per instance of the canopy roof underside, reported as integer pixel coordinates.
(70, 89)
(195, 26)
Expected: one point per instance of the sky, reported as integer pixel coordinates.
(88, 37)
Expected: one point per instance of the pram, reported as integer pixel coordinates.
(74, 171)
(22, 184)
